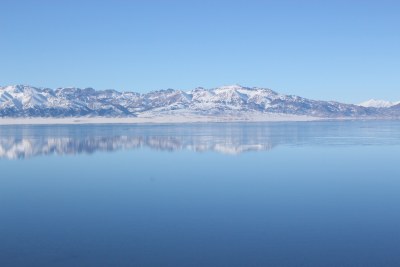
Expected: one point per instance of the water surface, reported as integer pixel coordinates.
(255, 194)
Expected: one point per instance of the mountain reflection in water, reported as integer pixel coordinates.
(18, 142)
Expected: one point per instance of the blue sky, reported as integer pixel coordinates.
(341, 50)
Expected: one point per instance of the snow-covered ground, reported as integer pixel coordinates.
(164, 118)
(373, 103)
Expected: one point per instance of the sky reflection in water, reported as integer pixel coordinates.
(277, 194)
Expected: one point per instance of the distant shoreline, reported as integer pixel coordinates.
(172, 119)
(155, 119)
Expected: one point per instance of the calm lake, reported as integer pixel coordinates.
(223, 194)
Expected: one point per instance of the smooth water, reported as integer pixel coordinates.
(256, 194)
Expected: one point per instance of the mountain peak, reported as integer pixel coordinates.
(374, 103)
(230, 87)
(29, 101)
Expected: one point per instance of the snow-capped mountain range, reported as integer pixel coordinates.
(373, 103)
(29, 101)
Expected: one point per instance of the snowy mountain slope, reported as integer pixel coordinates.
(28, 101)
(378, 103)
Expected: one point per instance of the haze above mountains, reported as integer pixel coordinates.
(22, 101)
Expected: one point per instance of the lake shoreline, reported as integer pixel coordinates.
(173, 119)
(155, 119)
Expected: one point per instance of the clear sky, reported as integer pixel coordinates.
(334, 50)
